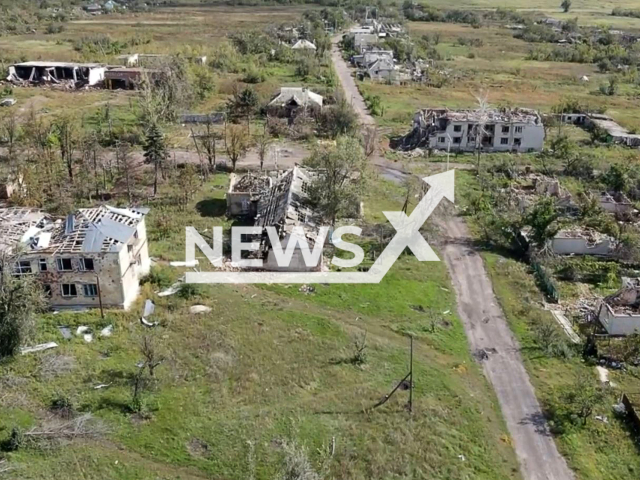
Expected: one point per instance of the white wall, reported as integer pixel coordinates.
(618, 324)
(579, 246)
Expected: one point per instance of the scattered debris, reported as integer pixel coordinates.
(602, 418)
(189, 264)
(106, 331)
(38, 348)
(65, 332)
(564, 322)
(307, 289)
(603, 374)
(101, 386)
(199, 309)
(619, 409)
(7, 102)
(149, 308)
(172, 290)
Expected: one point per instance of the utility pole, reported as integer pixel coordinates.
(411, 377)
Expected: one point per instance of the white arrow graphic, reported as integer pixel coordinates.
(407, 235)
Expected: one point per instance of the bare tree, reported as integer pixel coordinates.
(151, 358)
(369, 140)
(127, 166)
(236, 142)
(188, 184)
(263, 142)
(66, 131)
(480, 130)
(10, 131)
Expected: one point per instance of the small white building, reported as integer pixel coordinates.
(619, 313)
(583, 242)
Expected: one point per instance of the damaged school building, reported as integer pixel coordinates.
(94, 257)
(281, 202)
(494, 130)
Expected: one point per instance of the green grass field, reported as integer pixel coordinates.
(268, 365)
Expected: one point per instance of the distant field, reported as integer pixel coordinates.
(500, 68)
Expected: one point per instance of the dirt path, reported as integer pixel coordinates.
(486, 329)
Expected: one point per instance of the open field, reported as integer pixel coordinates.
(266, 368)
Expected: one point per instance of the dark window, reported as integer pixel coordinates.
(64, 264)
(86, 264)
(47, 290)
(457, 139)
(130, 248)
(43, 264)
(517, 142)
(505, 129)
(441, 139)
(504, 141)
(69, 290)
(457, 128)
(23, 267)
(518, 129)
(90, 290)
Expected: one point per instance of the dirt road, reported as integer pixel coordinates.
(351, 92)
(488, 333)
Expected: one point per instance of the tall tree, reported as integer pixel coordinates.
(155, 152)
(236, 142)
(342, 179)
(66, 131)
(263, 142)
(20, 299)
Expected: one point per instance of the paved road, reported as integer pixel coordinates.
(486, 329)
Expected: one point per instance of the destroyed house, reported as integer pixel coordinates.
(95, 256)
(129, 78)
(286, 206)
(380, 69)
(619, 313)
(617, 203)
(370, 56)
(76, 74)
(583, 241)
(491, 130)
(614, 132)
(245, 192)
(293, 101)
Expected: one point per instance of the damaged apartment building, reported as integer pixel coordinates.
(504, 130)
(281, 202)
(75, 75)
(93, 257)
(619, 313)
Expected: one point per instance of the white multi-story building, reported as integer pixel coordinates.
(95, 256)
(508, 130)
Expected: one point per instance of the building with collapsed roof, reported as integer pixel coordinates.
(129, 78)
(304, 45)
(504, 130)
(295, 101)
(245, 192)
(616, 203)
(370, 56)
(95, 256)
(583, 241)
(76, 74)
(614, 132)
(619, 313)
(286, 206)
